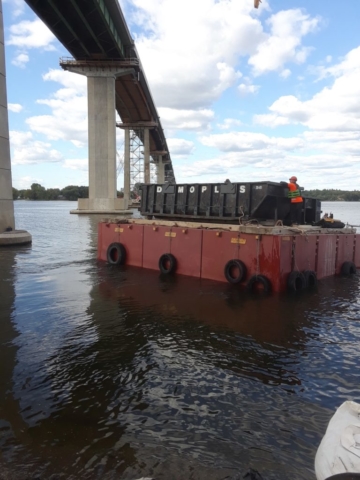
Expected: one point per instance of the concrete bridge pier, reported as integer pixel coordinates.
(158, 156)
(8, 234)
(101, 136)
(160, 170)
(146, 156)
(7, 219)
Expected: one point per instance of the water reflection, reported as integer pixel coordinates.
(119, 373)
(11, 420)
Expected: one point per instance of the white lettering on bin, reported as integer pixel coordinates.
(192, 189)
(180, 189)
(242, 189)
(203, 189)
(159, 189)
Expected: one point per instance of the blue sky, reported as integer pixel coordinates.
(246, 94)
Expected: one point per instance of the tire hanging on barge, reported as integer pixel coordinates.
(296, 281)
(259, 282)
(235, 271)
(167, 263)
(348, 268)
(116, 254)
(310, 279)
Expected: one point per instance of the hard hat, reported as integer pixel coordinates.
(293, 178)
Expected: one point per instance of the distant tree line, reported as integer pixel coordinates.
(71, 192)
(333, 195)
(38, 192)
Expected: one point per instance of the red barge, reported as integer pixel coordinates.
(260, 252)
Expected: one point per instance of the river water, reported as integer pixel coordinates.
(116, 373)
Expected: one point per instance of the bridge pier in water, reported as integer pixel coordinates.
(101, 135)
(160, 170)
(7, 219)
(8, 234)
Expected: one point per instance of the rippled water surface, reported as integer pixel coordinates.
(117, 373)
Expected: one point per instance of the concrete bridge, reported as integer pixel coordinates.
(96, 35)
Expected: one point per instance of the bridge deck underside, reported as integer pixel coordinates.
(133, 107)
(96, 30)
(79, 25)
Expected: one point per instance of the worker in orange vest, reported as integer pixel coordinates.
(296, 201)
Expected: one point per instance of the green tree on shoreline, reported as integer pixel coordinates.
(38, 192)
(333, 195)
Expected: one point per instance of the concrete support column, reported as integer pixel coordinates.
(160, 170)
(7, 218)
(102, 141)
(146, 156)
(8, 234)
(102, 135)
(127, 165)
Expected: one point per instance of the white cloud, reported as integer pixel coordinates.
(67, 80)
(68, 105)
(215, 167)
(197, 120)
(288, 27)
(285, 73)
(229, 123)
(15, 107)
(77, 164)
(270, 120)
(350, 62)
(31, 34)
(179, 147)
(334, 108)
(251, 143)
(318, 158)
(312, 171)
(246, 89)
(26, 150)
(201, 59)
(344, 145)
(20, 60)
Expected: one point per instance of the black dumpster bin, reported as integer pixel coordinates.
(266, 202)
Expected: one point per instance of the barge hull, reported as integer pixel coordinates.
(203, 250)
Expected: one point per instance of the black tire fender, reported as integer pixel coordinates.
(240, 269)
(259, 280)
(310, 279)
(116, 254)
(348, 268)
(167, 263)
(296, 281)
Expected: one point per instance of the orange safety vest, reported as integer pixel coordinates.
(294, 193)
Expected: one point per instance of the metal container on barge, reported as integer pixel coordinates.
(224, 202)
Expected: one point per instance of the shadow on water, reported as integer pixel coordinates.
(8, 350)
(121, 373)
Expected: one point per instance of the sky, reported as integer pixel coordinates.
(243, 94)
